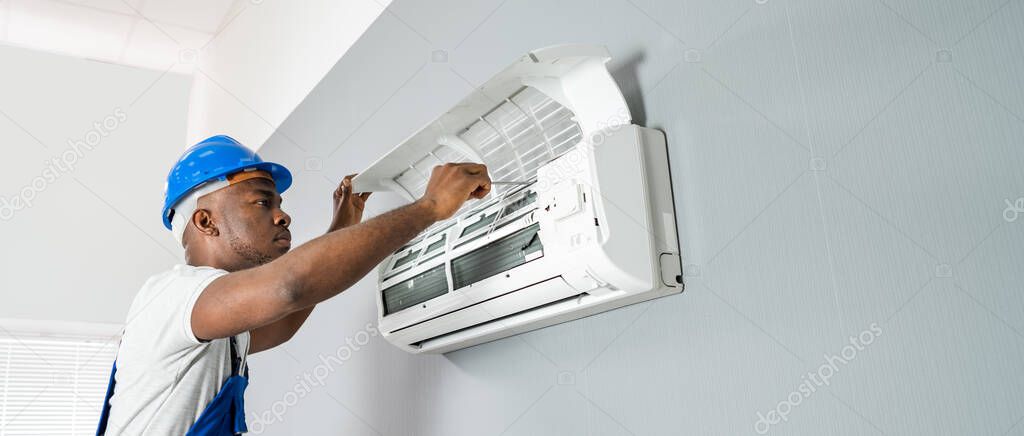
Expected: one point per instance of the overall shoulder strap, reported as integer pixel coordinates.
(238, 365)
(101, 428)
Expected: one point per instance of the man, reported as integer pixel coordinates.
(180, 368)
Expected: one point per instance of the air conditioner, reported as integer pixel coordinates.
(590, 225)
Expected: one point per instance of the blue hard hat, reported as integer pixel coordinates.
(215, 158)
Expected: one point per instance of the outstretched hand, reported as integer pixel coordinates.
(452, 184)
(348, 206)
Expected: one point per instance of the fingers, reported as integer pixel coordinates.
(477, 175)
(347, 182)
(484, 188)
(473, 168)
(480, 192)
(345, 188)
(482, 180)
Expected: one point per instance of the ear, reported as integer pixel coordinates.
(203, 220)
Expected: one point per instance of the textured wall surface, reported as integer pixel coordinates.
(843, 172)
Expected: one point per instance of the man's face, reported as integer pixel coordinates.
(252, 222)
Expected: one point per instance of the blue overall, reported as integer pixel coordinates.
(224, 416)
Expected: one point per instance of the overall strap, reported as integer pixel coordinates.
(225, 414)
(101, 428)
(238, 363)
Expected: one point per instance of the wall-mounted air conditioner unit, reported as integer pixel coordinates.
(591, 228)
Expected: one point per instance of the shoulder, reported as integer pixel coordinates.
(187, 271)
(163, 306)
(183, 274)
(178, 282)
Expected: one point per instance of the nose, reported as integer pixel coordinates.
(283, 219)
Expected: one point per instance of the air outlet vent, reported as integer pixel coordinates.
(496, 257)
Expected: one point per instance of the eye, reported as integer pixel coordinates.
(263, 202)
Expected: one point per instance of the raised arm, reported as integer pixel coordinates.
(324, 267)
(348, 211)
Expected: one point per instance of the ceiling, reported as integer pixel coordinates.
(157, 34)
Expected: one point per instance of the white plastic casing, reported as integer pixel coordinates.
(557, 121)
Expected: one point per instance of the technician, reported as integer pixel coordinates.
(180, 367)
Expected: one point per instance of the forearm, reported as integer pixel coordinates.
(326, 266)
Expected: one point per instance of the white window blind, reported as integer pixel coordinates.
(53, 386)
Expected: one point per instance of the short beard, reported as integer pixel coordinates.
(244, 249)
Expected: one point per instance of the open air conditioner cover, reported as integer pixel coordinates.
(533, 111)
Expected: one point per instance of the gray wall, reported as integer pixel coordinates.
(90, 234)
(840, 170)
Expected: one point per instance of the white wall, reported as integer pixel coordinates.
(92, 233)
(266, 59)
(834, 168)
